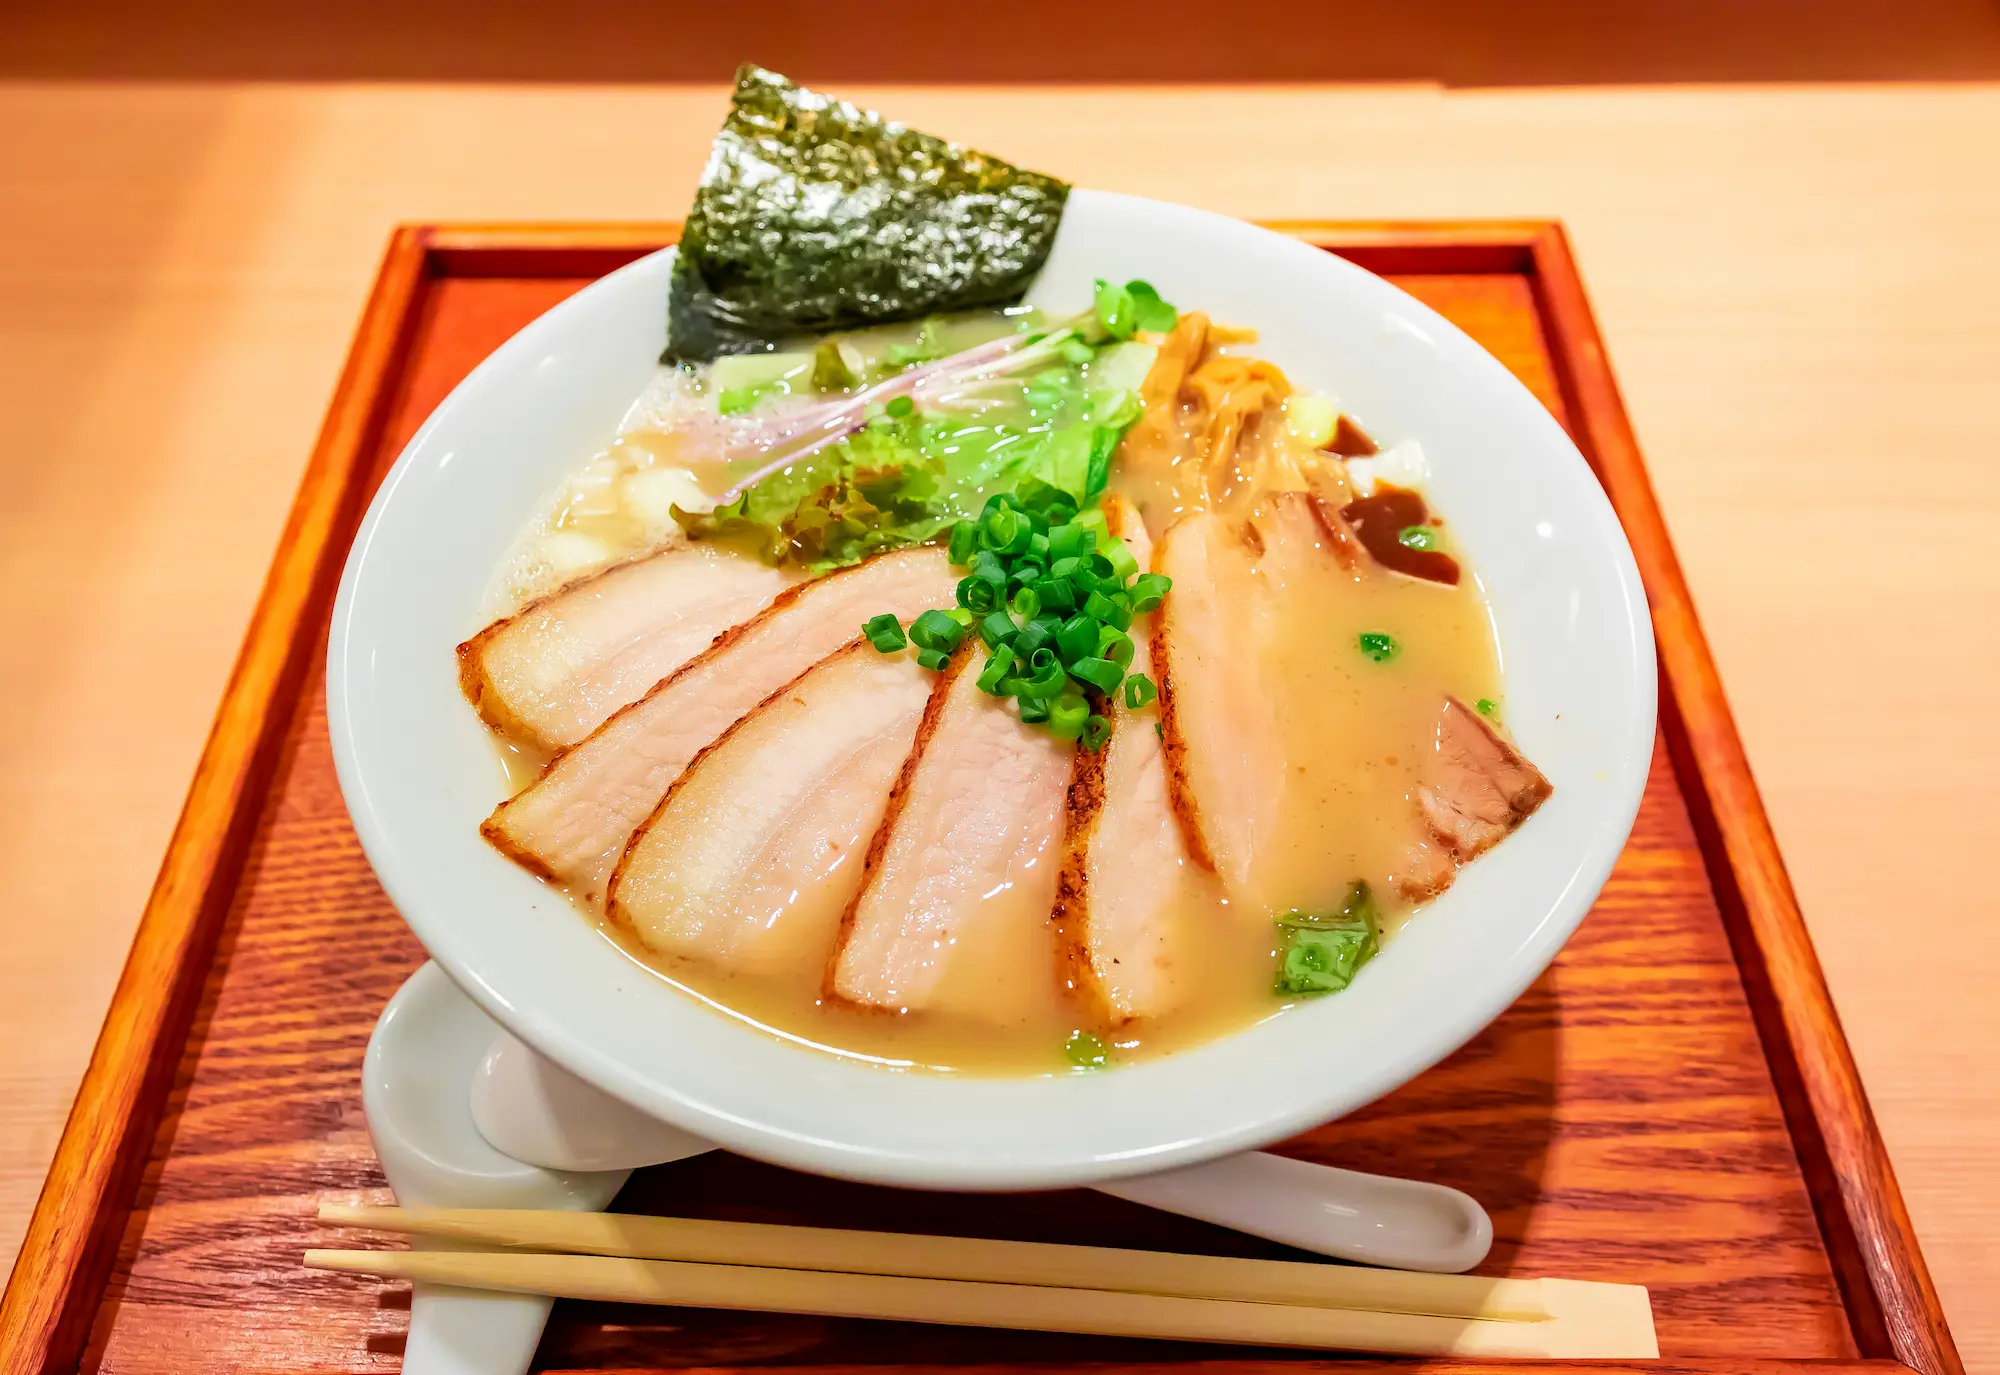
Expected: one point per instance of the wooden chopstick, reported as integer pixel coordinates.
(962, 1258)
(1587, 1320)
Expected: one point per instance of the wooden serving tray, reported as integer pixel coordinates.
(1672, 1104)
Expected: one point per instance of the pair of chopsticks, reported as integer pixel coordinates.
(1015, 1284)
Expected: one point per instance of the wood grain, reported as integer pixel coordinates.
(65, 1252)
(1873, 1245)
(1532, 42)
(1562, 1117)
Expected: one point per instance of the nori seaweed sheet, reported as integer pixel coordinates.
(814, 215)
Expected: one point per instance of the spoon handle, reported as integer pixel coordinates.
(1374, 1219)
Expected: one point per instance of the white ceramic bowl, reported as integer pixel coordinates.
(1571, 618)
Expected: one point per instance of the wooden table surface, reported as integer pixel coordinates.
(1798, 286)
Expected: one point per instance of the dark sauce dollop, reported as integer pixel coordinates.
(1379, 522)
(1351, 441)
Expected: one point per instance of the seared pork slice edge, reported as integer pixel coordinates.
(1082, 805)
(857, 645)
(899, 796)
(552, 672)
(760, 840)
(617, 775)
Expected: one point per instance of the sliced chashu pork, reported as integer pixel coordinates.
(572, 824)
(1225, 756)
(1126, 879)
(550, 674)
(953, 914)
(1476, 788)
(752, 857)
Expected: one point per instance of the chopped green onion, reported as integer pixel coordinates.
(1101, 674)
(1076, 352)
(997, 629)
(900, 407)
(986, 564)
(1139, 691)
(1085, 1051)
(1378, 646)
(1034, 710)
(933, 659)
(1096, 730)
(1071, 541)
(1005, 531)
(978, 595)
(1486, 706)
(1149, 590)
(1065, 565)
(1115, 645)
(1038, 633)
(1038, 547)
(964, 540)
(1123, 564)
(1067, 715)
(1417, 537)
(997, 664)
(1045, 677)
(1077, 639)
(1106, 609)
(1047, 499)
(1056, 594)
(1025, 602)
(885, 632)
(938, 630)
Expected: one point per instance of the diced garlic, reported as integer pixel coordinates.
(1312, 419)
(568, 552)
(1401, 465)
(652, 494)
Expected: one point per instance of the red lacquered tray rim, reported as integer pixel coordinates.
(71, 1240)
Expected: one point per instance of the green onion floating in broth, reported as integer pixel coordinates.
(1379, 646)
(1085, 1051)
(1323, 951)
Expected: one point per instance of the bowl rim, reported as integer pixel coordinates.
(612, 1072)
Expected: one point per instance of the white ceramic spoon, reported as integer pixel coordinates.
(456, 1106)
(414, 1085)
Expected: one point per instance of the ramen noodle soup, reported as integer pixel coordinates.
(992, 691)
